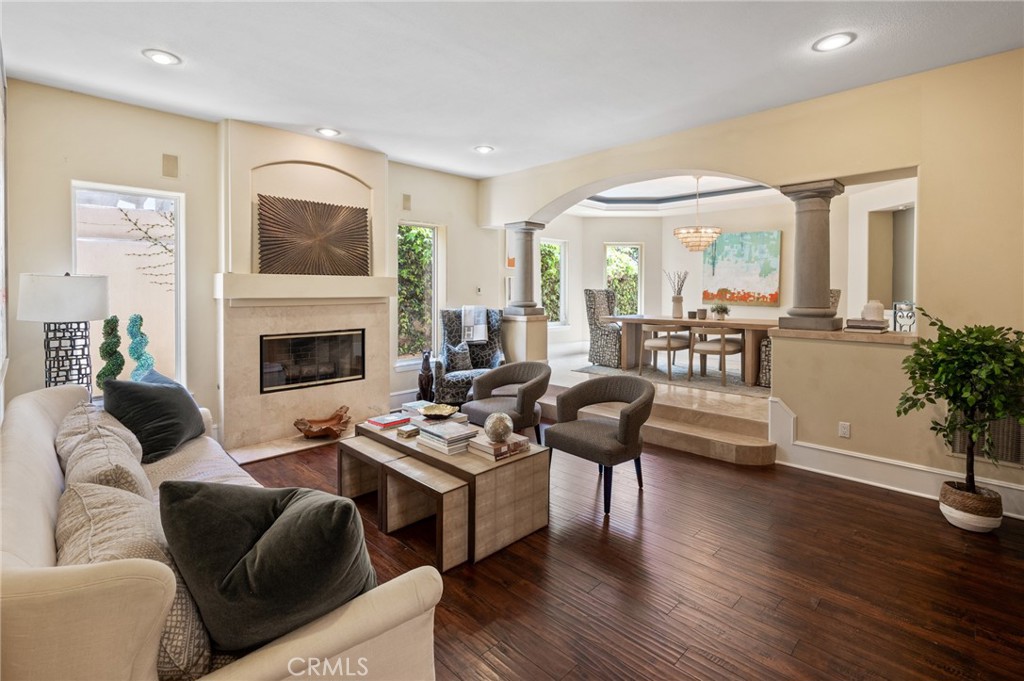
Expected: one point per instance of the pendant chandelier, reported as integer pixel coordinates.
(698, 237)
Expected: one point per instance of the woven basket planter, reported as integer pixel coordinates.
(981, 512)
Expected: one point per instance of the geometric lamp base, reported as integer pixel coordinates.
(66, 350)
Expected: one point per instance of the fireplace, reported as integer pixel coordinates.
(290, 361)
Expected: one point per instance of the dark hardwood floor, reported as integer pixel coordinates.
(717, 572)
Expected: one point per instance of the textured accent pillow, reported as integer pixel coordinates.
(86, 421)
(162, 416)
(108, 461)
(262, 562)
(96, 524)
(458, 357)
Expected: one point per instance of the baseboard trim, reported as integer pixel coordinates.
(899, 476)
(397, 399)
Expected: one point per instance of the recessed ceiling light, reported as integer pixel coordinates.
(328, 132)
(161, 57)
(833, 42)
(483, 149)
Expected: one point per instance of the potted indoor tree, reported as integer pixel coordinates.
(978, 371)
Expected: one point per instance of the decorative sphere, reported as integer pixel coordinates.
(498, 427)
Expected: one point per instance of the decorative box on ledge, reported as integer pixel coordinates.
(247, 286)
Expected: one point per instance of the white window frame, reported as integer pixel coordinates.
(440, 290)
(180, 284)
(563, 260)
(639, 273)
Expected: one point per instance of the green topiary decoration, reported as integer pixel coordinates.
(109, 352)
(137, 348)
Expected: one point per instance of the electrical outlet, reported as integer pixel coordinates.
(844, 429)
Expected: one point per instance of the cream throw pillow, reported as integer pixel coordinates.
(107, 460)
(96, 524)
(85, 422)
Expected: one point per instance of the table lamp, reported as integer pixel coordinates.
(65, 304)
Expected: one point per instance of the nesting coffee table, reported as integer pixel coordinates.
(500, 501)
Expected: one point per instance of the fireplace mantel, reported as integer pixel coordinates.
(245, 286)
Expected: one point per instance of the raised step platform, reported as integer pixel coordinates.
(734, 438)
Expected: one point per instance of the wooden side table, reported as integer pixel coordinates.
(414, 490)
(360, 471)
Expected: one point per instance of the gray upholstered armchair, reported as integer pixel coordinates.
(453, 370)
(605, 338)
(532, 380)
(607, 444)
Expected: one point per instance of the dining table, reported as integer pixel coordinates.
(632, 337)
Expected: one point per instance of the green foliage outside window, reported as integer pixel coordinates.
(415, 290)
(551, 280)
(622, 268)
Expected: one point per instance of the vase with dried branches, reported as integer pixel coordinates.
(676, 280)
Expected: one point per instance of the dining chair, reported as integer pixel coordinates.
(663, 338)
(605, 338)
(701, 343)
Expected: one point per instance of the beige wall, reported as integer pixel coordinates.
(954, 124)
(960, 127)
(54, 137)
(473, 255)
(824, 383)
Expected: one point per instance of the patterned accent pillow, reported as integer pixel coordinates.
(107, 460)
(96, 524)
(458, 357)
(84, 422)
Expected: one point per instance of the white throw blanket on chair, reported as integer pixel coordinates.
(474, 323)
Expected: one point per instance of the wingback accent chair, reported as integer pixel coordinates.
(605, 443)
(531, 381)
(605, 339)
(452, 378)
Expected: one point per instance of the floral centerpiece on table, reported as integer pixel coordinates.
(676, 279)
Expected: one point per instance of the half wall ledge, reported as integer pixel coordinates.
(247, 286)
(888, 338)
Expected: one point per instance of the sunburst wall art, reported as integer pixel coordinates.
(743, 268)
(309, 237)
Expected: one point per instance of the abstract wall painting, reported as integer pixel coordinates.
(309, 237)
(743, 268)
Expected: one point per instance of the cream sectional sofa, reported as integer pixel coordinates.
(104, 620)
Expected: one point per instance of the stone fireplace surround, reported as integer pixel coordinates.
(254, 305)
(255, 159)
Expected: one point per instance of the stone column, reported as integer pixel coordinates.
(522, 302)
(811, 309)
(524, 326)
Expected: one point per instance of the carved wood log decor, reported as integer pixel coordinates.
(309, 237)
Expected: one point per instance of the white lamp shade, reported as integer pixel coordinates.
(63, 298)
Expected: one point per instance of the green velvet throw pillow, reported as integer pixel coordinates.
(262, 562)
(162, 416)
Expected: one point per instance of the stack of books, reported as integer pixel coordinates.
(867, 325)
(387, 421)
(413, 408)
(446, 437)
(496, 451)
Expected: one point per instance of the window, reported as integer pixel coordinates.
(622, 263)
(132, 236)
(417, 293)
(553, 280)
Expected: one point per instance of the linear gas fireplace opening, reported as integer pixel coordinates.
(303, 360)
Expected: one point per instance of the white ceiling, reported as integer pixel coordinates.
(426, 82)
